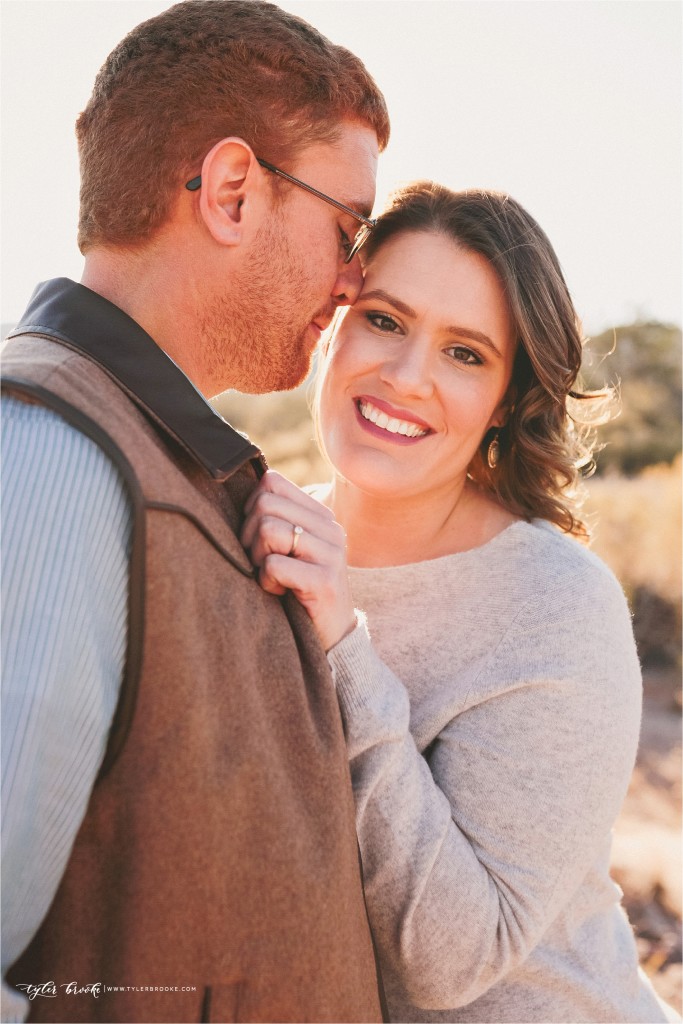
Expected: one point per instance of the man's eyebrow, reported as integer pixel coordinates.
(360, 206)
(403, 307)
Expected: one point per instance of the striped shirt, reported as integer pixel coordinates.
(66, 537)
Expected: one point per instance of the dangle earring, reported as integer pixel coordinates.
(493, 452)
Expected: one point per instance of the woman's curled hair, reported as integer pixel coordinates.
(547, 443)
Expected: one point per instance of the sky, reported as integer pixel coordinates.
(571, 106)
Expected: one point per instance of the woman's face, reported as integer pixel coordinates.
(419, 368)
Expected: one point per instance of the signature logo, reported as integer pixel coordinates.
(48, 989)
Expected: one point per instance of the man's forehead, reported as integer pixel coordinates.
(346, 169)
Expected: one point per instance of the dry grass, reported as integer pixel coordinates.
(281, 426)
(637, 531)
(637, 528)
(646, 853)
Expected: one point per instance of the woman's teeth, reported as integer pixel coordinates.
(394, 426)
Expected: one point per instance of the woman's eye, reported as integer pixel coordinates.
(464, 355)
(383, 322)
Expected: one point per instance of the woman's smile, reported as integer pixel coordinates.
(385, 421)
(419, 368)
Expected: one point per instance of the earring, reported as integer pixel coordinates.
(493, 452)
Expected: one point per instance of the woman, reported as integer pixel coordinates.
(492, 720)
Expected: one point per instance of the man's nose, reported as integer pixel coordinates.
(349, 283)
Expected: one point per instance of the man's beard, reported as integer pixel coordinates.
(258, 339)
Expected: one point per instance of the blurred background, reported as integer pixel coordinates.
(572, 106)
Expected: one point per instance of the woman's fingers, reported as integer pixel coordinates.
(268, 534)
(324, 595)
(290, 574)
(314, 518)
(276, 536)
(274, 483)
(297, 545)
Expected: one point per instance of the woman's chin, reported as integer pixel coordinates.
(374, 476)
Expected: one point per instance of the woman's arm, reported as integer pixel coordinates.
(469, 857)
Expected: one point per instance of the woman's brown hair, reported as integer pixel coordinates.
(195, 74)
(548, 440)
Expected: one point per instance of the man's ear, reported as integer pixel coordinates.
(231, 181)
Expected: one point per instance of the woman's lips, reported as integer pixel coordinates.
(394, 412)
(383, 420)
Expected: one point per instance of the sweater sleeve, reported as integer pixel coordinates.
(470, 851)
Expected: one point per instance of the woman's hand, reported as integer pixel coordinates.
(313, 567)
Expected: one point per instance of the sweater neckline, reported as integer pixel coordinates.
(445, 561)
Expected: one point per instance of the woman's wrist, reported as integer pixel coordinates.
(337, 635)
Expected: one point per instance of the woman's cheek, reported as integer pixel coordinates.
(349, 359)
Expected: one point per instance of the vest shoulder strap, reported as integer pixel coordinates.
(125, 708)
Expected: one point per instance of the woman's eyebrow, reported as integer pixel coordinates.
(403, 307)
(379, 293)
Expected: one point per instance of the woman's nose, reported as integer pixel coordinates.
(409, 371)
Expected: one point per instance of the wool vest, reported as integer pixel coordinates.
(215, 876)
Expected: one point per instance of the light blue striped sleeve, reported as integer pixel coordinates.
(66, 533)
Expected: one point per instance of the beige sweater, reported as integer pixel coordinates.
(492, 727)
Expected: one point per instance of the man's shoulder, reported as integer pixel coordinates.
(34, 361)
(39, 445)
(33, 356)
(94, 410)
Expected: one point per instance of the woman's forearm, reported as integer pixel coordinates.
(469, 858)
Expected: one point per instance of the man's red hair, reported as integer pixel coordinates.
(198, 72)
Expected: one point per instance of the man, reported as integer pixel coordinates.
(179, 836)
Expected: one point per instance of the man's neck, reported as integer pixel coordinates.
(151, 292)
